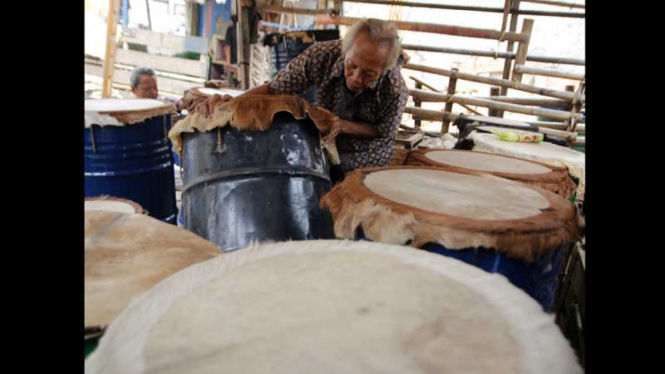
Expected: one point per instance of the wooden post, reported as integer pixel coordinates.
(507, 66)
(452, 85)
(577, 107)
(520, 58)
(242, 31)
(417, 103)
(109, 59)
(494, 91)
(506, 10)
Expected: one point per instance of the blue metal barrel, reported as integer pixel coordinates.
(539, 279)
(128, 159)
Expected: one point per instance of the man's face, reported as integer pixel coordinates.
(364, 62)
(147, 88)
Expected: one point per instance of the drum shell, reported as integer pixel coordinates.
(134, 162)
(266, 185)
(539, 279)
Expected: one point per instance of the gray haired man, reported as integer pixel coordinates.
(358, 80)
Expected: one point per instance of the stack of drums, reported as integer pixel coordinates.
(551, 178)
(128, 155)
(496, 224)
(126, 254)
(262, 185)
(333, 307)
(547, 153)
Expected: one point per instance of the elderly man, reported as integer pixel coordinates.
(144, 85)
(358, 80)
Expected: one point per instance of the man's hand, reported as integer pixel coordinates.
(207, 107)
(335, 130)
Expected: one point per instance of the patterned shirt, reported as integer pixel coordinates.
(381, 104)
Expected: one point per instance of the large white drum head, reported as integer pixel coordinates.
(333, 307)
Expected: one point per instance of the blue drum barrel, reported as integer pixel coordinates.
(498, 225)
(127, 153)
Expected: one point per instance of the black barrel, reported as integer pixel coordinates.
(265, 185)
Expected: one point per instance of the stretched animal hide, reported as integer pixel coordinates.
(127, 254)
(557, 181)
(127, 116)
(353, 205)
(255, 113)
(300, 306)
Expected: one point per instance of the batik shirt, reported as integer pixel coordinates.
(381, 104)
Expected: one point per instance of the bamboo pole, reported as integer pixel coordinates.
(419, 82)
(506, 55)
(470, 8)
(568, 96)
(434, 115)
(432, 96)
(555, 3)
(581, 140)
(554, 125)
(109, 59)
(529, 101)
(522, 69)
(429, 27)
(281, 9)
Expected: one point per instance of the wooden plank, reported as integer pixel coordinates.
(111, 29)
(549, 72)
(175, 87)
(494, 91)
(432, 96)
(154, 39)
(508, 64)
(522, 48)
(506, 10)
(568, 96)
(452, 85)
(170, 64)
(429, 27)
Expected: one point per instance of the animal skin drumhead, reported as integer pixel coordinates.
(333, 307)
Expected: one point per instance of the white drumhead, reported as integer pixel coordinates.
(456, 194)
(333, 307)
(121, 105)
(486, 162)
